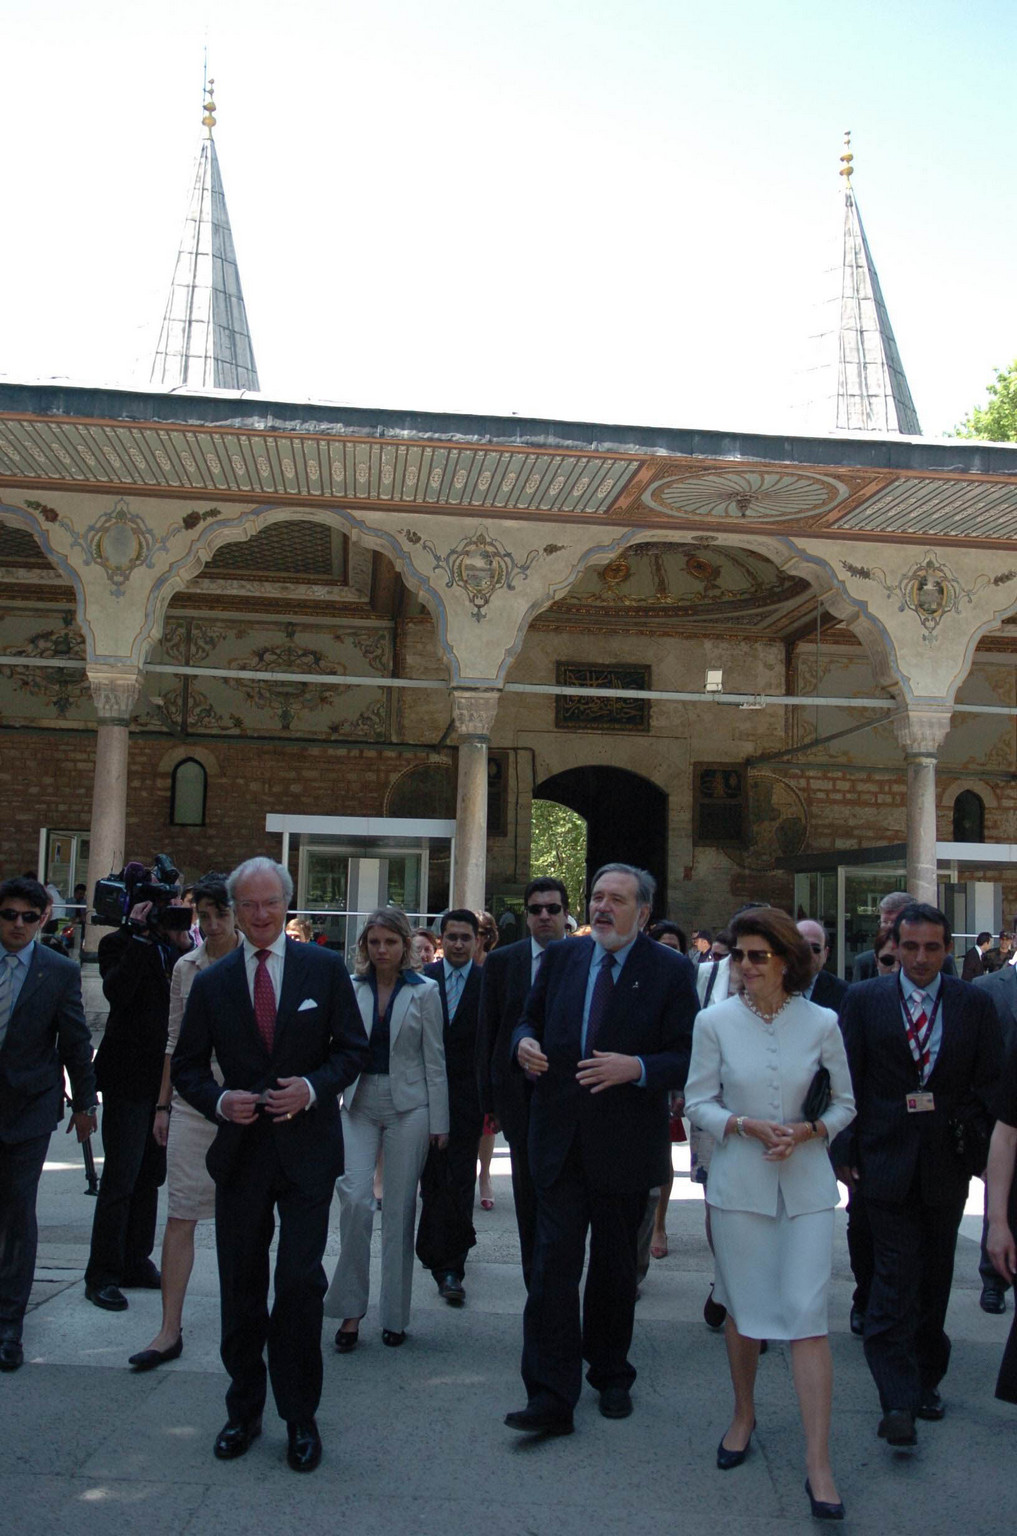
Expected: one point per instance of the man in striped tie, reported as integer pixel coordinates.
(925, 1051)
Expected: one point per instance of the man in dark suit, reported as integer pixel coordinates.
(925, 1052)
(284, 1026)
(42, 1033)
(1001, 987)
(826, 989)
(504, 1091)
(607, 1029)
(136, 962)
(458, 981)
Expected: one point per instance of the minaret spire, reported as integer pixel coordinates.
(872, 390)
(205, 342)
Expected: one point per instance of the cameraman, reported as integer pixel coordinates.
(135, 964)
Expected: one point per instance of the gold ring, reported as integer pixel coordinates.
(290, 1115)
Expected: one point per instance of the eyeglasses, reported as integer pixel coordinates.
(536, 907)
(11, 915)
(887, 959)
(753, 956)
(272, 905)
(818, 949)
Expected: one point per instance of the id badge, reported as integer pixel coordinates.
(919, 1103)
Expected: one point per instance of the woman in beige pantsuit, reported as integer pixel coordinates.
(398, 1104)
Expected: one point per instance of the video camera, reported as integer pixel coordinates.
(114, 897)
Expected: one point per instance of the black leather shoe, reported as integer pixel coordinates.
(235, 1439)
(931, 1405)
(897, 1427)
(392, 1337)
(728, 1460)
(616, 1402)
(346, 1343)
(148, 1280)
(109, 1297)
(148, 1359)
(821, 1510)
(992, 1299)
(713, 1313)
(541, 1421)
(450, 1288)
(857, 1322)
(11, 1354)
(304, 1450)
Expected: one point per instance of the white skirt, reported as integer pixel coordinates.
(773, 1272)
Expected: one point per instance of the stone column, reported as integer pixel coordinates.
(473, 712)
(921, 732)
(114, 693)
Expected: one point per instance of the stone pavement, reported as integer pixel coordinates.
(414, 1440)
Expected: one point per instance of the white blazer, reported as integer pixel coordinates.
(742, 1066)
(416, 1049)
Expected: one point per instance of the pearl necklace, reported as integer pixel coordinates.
(761, 1013)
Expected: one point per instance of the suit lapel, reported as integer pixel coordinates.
(234, 974)
(33, 981)
(400, 1008)
(290, 993)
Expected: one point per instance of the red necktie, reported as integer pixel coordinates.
(264, 999)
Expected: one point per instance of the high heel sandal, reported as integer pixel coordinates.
(822, 1510)
(346, 1340)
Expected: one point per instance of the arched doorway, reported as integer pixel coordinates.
(625, 815)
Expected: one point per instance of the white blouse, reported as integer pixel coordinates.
(742, 1065)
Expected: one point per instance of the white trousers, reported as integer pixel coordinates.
(372, 1124)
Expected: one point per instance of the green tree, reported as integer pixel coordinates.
(558, 848)
(995, 422)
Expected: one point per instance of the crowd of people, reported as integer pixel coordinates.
(257, 1078)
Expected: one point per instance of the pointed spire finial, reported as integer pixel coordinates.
(847, 158)
(208, 121)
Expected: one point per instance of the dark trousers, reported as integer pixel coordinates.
(20, 1170)
(245, 1210)
(859, 1241)
(906, 1344)
(555, 1341)
(134, 1166)
(464, 1138)
(524, 1194)
(991, 1276)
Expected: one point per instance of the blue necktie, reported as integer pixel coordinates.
(453, 991)
(603, 990)
(7, 965)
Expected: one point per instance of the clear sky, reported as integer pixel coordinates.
(608, 210)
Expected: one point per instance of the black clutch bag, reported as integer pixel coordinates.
(817, 1100)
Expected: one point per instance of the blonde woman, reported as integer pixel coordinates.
(398, 1105)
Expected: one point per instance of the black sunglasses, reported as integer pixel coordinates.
(753, 956)
(11, 915)
(536, 907)
(887, 959)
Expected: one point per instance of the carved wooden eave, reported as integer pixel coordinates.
(237, 449)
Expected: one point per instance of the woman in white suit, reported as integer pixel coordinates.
(398, 1104)
(772, 1189)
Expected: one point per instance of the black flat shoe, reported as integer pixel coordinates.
(728, 1460)
(393, 1338)
(931, 1406)
(821, 1510)
(541, 1421)
(346, 1343)
(148, 1359)
(12, 1355)
(897, 1427)
(109, 1297)
(304, 1449)
(235, 1439)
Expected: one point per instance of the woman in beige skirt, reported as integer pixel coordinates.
(190, 1191)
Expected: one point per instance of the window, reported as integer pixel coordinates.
(187, 797)
(968, 818)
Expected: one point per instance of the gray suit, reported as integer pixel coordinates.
(46, 1033)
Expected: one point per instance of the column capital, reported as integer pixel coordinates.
(114, 692)
(922, 731)
(473, 712)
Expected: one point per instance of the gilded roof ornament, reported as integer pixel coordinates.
(208, 121)
(847, 158)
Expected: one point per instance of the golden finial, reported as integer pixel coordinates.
(208, 121)
(847, 157)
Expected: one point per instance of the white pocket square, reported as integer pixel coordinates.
(308, 1002)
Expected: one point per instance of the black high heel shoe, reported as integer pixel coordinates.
(821, 1510)
(346, 1342)
(728, 1460)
